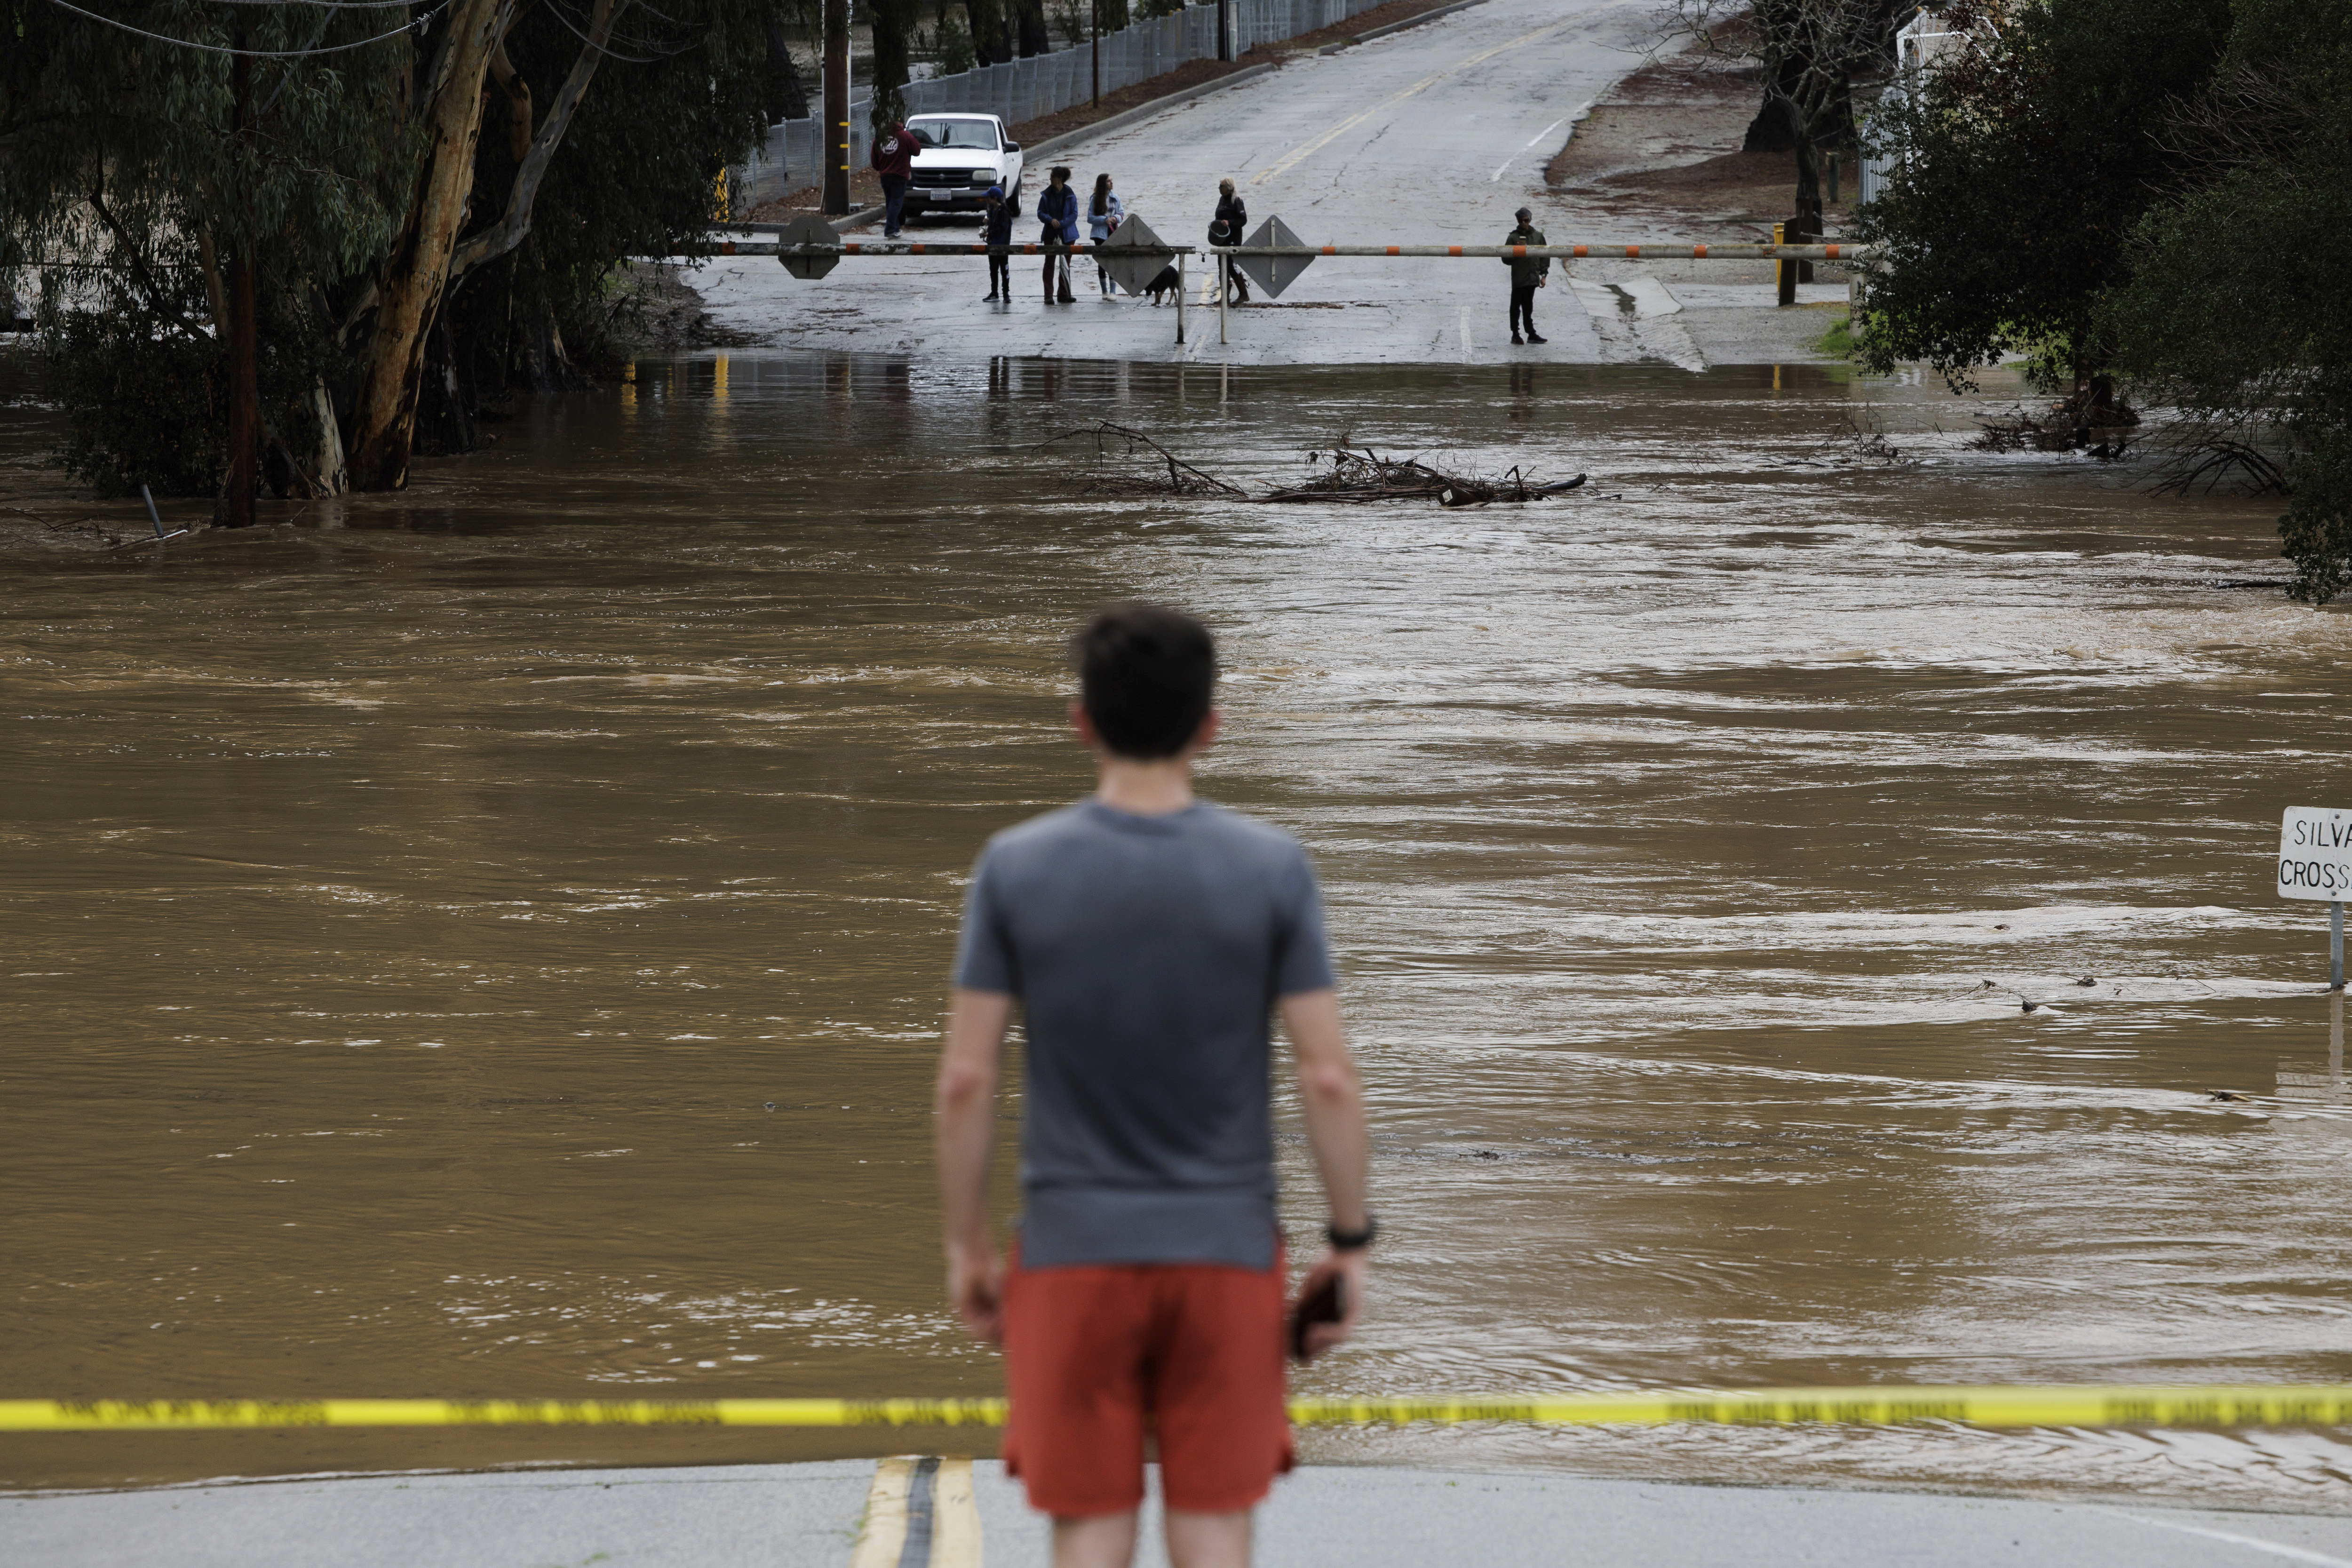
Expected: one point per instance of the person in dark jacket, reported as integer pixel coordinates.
(1000, 232)
(894, 160)
(1529, 273)
(1227, 228)
(1057, 219)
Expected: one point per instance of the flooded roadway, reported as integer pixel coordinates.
(491, 940)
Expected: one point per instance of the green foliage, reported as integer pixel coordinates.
(2023, 168)
(2234, 310)
(125, 189)
(1838, 342)
(636, 176)
(952, 42)
(143, 404)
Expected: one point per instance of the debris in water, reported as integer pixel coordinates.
(1181, 478)
(1364, 475)
(1355, 475)
(2088, 980)
(2227, 1094)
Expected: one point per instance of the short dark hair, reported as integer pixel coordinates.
(1146, 674)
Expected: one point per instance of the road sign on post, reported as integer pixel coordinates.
(808, 229)
(1273, 273)
(2314, 862)
(1132, 272)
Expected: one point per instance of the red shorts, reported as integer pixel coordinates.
(1098, 1353)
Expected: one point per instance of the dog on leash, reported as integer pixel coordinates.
(1163, 286)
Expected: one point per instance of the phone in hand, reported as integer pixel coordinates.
(1327, 1303)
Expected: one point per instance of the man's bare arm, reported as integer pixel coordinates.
(964, 1113)
(1331, 1093)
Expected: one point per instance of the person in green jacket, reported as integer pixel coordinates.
(1529, 273)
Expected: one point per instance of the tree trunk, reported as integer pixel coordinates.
(408, 289)
(892, 21)
(990, 46)
(836, 107)
(1805, 227)
(1034, 40)
(327, 462)
(787, 98)
(244, 337)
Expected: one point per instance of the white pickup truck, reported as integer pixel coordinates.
(957, 158)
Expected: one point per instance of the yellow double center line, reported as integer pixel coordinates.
(920, 1514)
(1308, 149)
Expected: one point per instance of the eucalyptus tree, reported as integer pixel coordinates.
(2233, 308)
(275, 204)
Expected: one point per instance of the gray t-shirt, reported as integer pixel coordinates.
(1147, 954)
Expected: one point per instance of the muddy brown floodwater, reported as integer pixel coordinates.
(491, 940)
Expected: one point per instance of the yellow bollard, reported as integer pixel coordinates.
(1784, 274)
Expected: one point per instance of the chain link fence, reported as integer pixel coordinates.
(793, 153)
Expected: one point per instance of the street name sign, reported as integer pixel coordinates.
(2315, 857)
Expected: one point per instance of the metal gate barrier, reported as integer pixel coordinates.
(1271, 257)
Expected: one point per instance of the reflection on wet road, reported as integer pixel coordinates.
(489, 941)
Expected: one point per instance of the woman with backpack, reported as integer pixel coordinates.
(1104, 214)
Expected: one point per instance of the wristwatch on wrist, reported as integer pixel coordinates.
(1353, 1240)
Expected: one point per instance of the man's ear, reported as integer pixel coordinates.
(1206, 735)
(1083, 723)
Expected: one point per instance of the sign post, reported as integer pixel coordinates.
(2314, 862)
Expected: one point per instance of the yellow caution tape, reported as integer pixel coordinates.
(2235, 1405)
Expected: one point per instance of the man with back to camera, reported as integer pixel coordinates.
(894, 160)
(1146, 936)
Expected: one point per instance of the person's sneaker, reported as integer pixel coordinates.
(1533, 339)
(1517, 339)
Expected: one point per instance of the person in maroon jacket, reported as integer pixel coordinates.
(894, 160)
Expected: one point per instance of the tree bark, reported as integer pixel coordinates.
(836, 107)
(409, 287)
(244, 343)
(514, 224)
(1034, 40)
(990, 46)
(892, 21)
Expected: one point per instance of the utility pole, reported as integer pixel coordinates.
(1224, 29)
(244, 354)
(836, 108)
(1095, 38)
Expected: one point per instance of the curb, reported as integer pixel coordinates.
(1383, 32)
(1128, 116)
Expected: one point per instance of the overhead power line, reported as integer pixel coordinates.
(409, 26)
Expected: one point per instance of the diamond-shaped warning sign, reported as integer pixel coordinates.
(1273, 273)
(1132, 272)
(808, 229)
